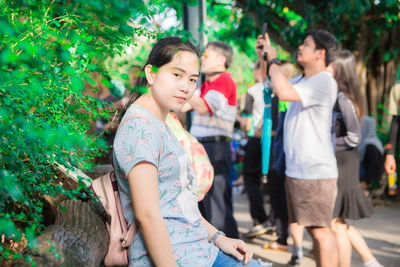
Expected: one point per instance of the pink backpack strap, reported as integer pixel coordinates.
(130, 235)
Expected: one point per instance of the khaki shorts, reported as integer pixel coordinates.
(311, 202)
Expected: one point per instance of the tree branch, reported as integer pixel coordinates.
(259, 13)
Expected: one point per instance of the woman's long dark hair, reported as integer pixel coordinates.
(162, 53)
(347, 78)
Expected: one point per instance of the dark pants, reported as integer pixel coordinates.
(252, 180)
(216, 207)
(372, 165)
(276, 186)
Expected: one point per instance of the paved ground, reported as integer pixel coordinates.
(381, 232)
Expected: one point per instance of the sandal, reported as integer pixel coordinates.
(273, 245)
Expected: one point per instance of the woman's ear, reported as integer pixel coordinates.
(148, 70)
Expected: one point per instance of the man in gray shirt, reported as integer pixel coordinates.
(311, 169)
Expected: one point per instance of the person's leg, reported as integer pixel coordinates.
(230, 225)
(339, 227)
(217, 207)
(297, 232)
(256, 203)
(373, 164)
(325, 247)
(252, 179)
(315, 250)
(359, 245)
(278, 204)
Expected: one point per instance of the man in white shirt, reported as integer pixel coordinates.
(311, 169)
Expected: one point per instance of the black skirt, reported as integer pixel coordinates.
(351, 203)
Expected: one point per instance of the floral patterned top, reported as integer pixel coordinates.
(142, 137)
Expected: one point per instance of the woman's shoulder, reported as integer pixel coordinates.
(343, 100)
(138, 115)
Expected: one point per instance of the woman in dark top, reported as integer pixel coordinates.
(351, 202)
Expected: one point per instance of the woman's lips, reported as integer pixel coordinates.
(180, 99)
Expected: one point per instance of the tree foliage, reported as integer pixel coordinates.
(49, 50)
(370, 28)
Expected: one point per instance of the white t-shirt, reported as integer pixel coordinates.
(307, 129)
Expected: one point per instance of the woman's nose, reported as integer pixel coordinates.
(185, 86)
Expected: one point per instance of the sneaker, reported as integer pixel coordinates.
(259, 229)
(373, 263)
(294, 261)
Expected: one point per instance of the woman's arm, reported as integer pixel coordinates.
(353, 129)
(230, 246)
(143, 183)
(197, 103)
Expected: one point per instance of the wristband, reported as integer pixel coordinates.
(214, 237)
(272, 62)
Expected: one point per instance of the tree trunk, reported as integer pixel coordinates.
(78, 237)
(381, 73)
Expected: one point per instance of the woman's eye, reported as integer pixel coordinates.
(193, 80)
(177, 75)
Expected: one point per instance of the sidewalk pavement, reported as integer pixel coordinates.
(381, 232)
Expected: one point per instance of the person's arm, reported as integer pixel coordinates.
(197, 103)
(263, 64)
(143, 184)
(186, 107)
(258, 130)
(394, 134)
(247, 113)
(230, 246)
(245, 122)
(353, 128)
(280, 84)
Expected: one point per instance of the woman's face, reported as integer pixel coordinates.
(174, 83)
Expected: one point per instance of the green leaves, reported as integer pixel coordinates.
(9, 185)
(50, 53)
(77, 84)
(8, 228)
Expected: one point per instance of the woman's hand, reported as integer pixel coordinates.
(234, 247)
(390, 164)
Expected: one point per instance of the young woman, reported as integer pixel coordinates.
(351, 202)
(156, 182)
